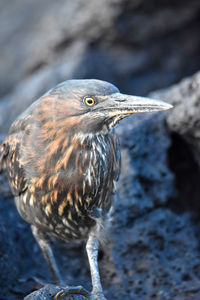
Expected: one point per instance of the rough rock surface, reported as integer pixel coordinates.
(183, 122)
(185, 117)
(153, 249)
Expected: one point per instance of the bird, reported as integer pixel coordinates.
(62, 159)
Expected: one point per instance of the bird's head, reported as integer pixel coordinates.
(95, 106)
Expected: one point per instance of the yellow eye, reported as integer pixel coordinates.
(89, 101)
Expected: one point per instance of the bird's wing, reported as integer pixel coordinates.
(10, 156)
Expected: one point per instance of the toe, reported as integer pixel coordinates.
(73, 290)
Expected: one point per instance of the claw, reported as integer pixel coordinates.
(73, 290)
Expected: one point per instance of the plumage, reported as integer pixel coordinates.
(62, 157)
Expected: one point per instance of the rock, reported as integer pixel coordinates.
(144, 146)
(48, 293)
(16, 257)
(154, 257)
(184, 119)
(55, 41)
(153, 247)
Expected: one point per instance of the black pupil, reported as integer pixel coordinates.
(90, 101)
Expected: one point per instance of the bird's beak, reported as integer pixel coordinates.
(121, 104)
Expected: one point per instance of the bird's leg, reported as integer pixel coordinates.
(44, 244)
(92, 252)
(97, 291)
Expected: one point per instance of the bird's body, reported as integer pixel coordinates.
(62, 158)
(59, 177)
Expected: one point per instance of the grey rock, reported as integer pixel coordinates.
(154, 258)
(184, 119)
(48, 292)
(144, 145)
(129, 43)
(152, 250)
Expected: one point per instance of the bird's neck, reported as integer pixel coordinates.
(92, 139)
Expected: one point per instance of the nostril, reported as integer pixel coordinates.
(121, 100)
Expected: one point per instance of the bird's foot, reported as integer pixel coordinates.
(79, 290)
(73, 290)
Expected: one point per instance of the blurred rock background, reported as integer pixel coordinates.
(141, 46)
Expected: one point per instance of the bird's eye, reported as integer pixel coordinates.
(89, 101)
